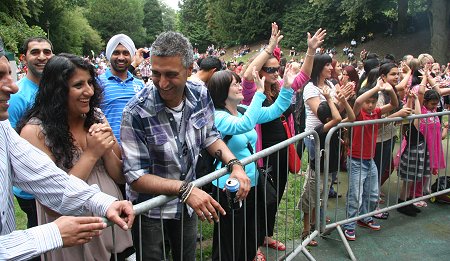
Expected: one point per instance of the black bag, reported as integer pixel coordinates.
(267, 190)
(442, 183)
(207, 163)
(266, 187)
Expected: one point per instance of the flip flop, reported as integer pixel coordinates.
(259, 256)
(277, 245)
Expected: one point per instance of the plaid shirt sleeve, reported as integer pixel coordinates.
(136, 157)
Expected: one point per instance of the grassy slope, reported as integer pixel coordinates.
(398, 45)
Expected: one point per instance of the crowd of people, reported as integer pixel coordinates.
(132, 122)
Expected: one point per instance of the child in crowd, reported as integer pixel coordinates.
(362, 192)
(329, 116)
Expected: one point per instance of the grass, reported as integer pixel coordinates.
(288, 224)
(21, 217)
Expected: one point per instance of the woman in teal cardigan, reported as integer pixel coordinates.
(226, 92)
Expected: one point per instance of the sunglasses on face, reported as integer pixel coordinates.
(270, 69)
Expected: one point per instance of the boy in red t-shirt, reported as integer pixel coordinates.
(362, 192)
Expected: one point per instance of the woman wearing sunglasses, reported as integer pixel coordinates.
(267, 63)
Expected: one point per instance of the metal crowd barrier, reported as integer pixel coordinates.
(337, 207)
(294, 244)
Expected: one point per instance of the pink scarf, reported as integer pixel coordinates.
(431, 129)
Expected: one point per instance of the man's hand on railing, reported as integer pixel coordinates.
(121, 213)
(204, 205)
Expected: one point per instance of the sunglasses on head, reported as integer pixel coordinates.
(270, 69)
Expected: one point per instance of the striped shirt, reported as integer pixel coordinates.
(150, 137)
(116, 94)
(24, 166)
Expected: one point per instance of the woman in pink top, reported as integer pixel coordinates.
(271, 133)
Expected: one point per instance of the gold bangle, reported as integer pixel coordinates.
(310, 55)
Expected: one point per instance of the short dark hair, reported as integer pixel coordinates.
(210, 63)
(324, 112)
(366, 89)
(219, 85)
(38, 39)
(431, 95)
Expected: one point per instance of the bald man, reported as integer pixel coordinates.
(118, 84)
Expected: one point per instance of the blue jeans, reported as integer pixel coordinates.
(310, 146)
(362, 194)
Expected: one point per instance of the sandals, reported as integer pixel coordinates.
(277, 245)
(420, 204)
(259, 256)
(382, 215)
(312, 243)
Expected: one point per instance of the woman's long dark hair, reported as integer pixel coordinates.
(51, 105)
(320, 60)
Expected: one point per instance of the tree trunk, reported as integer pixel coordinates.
(439, 30)
(402, 14)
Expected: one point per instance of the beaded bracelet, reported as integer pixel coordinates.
(310, 55)
(233, 162)
(191, 187)
(183, 188)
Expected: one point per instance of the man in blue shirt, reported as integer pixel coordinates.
(118, 84)
(163, 129)
(37, 51)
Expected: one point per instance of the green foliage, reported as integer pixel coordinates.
(153, 21)
(13, 32)
(192, 23)
(169, 17)
(118, 16)
(298, 20)
(240, 22)
(75, 35)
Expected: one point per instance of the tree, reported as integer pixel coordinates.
(402, 10)
(192, 23)
(75, 35)
(169, 17)
(153, 21)
(297, 21)
(121, 16)
(13, 26)
(440, 14)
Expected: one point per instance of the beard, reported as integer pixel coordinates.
(34, 71)
(118, 68)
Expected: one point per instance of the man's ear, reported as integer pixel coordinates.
(189, 70)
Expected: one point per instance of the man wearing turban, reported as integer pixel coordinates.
(118, 84)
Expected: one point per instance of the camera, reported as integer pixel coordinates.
(146, 53)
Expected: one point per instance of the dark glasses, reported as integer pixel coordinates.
(270, 69)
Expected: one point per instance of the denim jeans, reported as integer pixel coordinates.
(182, 238)
(362, 194)
(310, 146)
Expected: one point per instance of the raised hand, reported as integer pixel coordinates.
(325, 91)
(348, 90)
(317, 39)
(383, 86)
(405, 68)
(275, 37)
(258, 81)
(289, 76)
(404, 112)
(340, 97)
